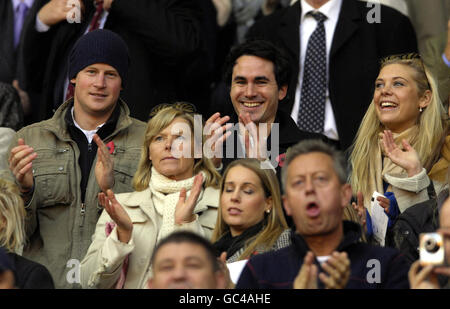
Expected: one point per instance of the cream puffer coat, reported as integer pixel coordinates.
(103, 262)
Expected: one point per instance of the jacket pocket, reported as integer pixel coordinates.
(52, 183)
(125, 164)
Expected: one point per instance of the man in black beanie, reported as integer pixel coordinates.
(52, 161)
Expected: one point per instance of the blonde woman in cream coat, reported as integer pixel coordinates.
(174, 191)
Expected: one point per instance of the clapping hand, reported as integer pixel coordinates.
(307, 276)
(216, 134)
(117, 214)
(104, 172)
(361, 210)
(337, 268)
(249, 130)
(21, 163)
(185, 208)
(407, 158)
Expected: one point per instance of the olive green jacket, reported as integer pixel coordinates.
(58, 226)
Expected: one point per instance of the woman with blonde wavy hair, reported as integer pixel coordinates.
(28, 274)
(176, 188)
(397, 149)
(250, 218)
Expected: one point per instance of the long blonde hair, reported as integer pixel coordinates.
(275, 221)
(12, 217)
(431, 128)
(155, 125)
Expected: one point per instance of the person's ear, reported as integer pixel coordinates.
(346, 194)
(425, 100)
(269, 204)
(282, 92)
(286, 205)
(73, 81)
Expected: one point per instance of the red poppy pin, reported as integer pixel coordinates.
(110, 147)
(280, 159)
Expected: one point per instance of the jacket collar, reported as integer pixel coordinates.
(58, 125)
(348, 23)
(352, 235)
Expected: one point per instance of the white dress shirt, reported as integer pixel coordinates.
(308, 24)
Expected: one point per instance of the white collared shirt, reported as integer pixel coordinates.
(308, 24)
(88, 133)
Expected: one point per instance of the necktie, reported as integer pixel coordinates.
(313, 93)
(20, 15)
(95, 24)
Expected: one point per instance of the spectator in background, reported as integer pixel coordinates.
(52, 161)
(29, 275)
(318, 99)
(164, 38)
(11, 119)
(250, 218)
(257, 74)
(173, 190)
(316, 194)
(436, 56)
(14, 15)
(398, 147)
(184, 260)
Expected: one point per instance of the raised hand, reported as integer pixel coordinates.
(257, 149)
(184, 208)
(338, 269)
(107, 4)
(384, 202)
(104, 172)
(223, 8)
(21, 163)
(117, 214)
(216, 134)
(407, 158)
(360, 209)
(56, 11)
(228, 284)
(307, 276)
(423, 278)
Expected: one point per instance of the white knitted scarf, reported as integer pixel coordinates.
(166, 193)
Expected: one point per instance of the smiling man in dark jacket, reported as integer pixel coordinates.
(316, 193)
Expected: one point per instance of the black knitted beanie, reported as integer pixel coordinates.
(99, 46)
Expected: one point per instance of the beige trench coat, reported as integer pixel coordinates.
(103, 262)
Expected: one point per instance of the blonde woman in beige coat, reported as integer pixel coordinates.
(174, 191)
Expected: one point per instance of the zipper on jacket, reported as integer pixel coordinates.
(82, 212)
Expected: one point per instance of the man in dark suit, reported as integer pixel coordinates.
(257, 74)
(357, 36)
(13, 15)
(164, 39)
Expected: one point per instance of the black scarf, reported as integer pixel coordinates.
(233, 244)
